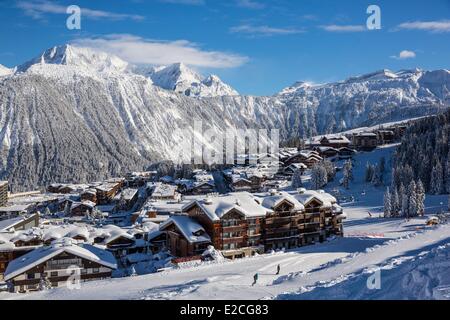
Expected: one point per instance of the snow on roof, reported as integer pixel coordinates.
(306, 196)
(190, 229)
(65, 231)
(366, 134)
(271, 202)
(106, 187)
(243, 202)
(128, 194)
(7, 224)
(87, 203)
(111, 233)
(15, 208)
(43, 254)
(162, 190)
(336, 139)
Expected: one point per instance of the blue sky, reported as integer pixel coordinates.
(257, 46)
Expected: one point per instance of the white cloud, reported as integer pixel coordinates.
(250, 4)
(138, 50)
(264, 30)
(433, 26)
(405, 54)
(38, 9)
(344, 28)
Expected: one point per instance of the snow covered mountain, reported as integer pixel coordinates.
(179, 78)
(4, 71)
(75, 114)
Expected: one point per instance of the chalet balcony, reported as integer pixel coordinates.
(237, 228)
(238, 240)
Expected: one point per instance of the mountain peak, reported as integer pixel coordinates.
(180, 78)
(78, 57)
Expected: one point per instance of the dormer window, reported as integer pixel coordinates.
(198, 233)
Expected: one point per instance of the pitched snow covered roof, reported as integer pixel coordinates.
(127, 194)
(111, 233)
(7, 224)
(306, 196)
(42, 254)
(271, 202)
(164, 190)
(216, 207)
(190, 229)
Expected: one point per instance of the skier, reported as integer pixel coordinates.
(278, 269)
(255, 279)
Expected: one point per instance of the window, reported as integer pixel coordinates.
(54, 274)
(30, 276)
(95, 270)
(83, 271)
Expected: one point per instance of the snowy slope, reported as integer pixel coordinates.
(304, 270)
(123, 121)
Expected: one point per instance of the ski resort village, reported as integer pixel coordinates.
(322, 218)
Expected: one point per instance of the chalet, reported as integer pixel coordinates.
(233, 223)
(240, 184)
(115, 239)
(309, 158)
(50, 265)
(346, 153)
(365, 141)
(157, 241)
(185, 236)
(284, 221)
(126, 199)
(323, 216)
(335, 141)
(89, 195)
(8, 252)
(107, 191)
(139, 179)
(79, 209)
(326, 152)
(19, 223)
(256, 180)
(292, 168)
(162, 191)
(205, 187)
(15, 210)
(385, 136)
(26, 239)
(74, 232)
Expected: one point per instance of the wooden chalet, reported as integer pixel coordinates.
(385, 136)
(335, 141)
(89, 195)
(282, 225)
(50, 264)
(365, 141)
(233, 223)
(309, 158)
(185, 236)
(107, 191)
(241, 184)
(79, 209)
(292, 168)
(126, 199)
